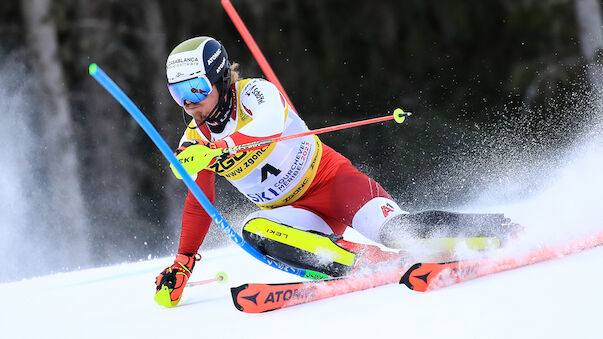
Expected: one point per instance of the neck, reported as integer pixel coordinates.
(221, 113)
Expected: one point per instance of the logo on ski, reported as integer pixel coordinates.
(298, 293)
(459, 272)
(423, 277)
(252, 298)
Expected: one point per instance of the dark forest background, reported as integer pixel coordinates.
(498, 90)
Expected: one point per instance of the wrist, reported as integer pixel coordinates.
(218, 144)
(187, 260)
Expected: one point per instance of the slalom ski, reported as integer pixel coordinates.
(257, 298)
(429, 276)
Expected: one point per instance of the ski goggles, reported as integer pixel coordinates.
(194, 90)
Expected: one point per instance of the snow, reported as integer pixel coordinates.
(556, 299)
(561, 298)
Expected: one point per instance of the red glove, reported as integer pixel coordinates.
(171, 282)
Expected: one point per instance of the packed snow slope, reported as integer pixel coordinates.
(556, 299)
(561, 298)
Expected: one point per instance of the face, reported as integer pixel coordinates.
(201, 110)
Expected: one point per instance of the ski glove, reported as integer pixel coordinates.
(172, 280)
(195, 155)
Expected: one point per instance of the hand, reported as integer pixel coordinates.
(190, 143)
(172, 280)
(212, 145)
(195, 155)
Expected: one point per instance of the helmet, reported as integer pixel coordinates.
(193, 67)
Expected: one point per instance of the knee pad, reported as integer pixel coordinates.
(303, 249)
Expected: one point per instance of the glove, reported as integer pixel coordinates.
(190, 143)
(211, 145)
(195, 155)
(171, 282)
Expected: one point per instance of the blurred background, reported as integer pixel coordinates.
(500, 90)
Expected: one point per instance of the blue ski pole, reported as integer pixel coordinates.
(103, 79)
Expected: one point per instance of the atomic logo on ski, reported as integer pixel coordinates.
(252, 298)
(267, 297)
(423, 277)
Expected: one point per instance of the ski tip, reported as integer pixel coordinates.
(234, 291)
(93, 68)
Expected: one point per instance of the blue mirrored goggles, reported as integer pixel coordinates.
(194, 90)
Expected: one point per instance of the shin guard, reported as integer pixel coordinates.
(309, 250)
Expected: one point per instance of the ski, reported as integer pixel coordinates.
(258, 298)
(429, 276)
(264, 297)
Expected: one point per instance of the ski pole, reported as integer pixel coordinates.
(219, 278)
(208, 154)
(399, 116)
(105, 81)
(253, 47)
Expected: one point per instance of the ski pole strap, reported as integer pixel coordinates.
(97, 73)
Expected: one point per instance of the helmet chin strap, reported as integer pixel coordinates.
(197, 123)
(217, 119)
(214, 114)
(213, 118)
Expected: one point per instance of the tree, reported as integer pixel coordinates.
(65, 211)
(588, 15)
(162, 107)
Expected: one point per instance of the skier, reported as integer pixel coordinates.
(307, 192)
